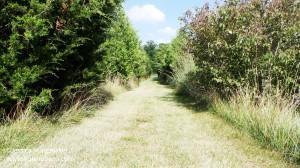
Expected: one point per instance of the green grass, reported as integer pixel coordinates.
(270, 118)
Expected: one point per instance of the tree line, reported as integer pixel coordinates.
(48, 46)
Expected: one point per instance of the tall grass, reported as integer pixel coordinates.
(115, 85)
(184, 65)
(29, 128)
(24, 132)
(269, 117)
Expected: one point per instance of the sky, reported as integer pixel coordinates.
(158, 19)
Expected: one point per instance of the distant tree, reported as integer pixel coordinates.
(150, 47)
(122, 53)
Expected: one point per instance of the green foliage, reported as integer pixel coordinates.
(248, 67)
(168, 57)
(245, 42)
(40, 102)
(46, 46)
(122, 52)
(150, 47)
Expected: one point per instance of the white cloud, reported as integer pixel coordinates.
(166, 34)
(146, 13)
(162, 41)
(168, 31)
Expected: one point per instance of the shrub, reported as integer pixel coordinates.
(246, 42)
(41, 102)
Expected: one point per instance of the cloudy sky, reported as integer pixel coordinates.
(158, 19)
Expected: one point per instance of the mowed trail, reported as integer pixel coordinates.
(146, 127)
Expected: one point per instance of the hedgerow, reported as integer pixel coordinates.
(46, 46)
(246, 42)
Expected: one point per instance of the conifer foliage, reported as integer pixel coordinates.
(47, 45)
(122, 53)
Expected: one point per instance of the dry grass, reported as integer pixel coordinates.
(114, 85)
(23, 133)
(147, 128)
(29, 129)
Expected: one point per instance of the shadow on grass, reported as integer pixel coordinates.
(155, 78)
(198, 106)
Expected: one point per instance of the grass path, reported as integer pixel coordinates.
(146, 127)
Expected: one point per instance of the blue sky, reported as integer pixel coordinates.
(158, 19)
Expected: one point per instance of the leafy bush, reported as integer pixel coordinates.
(246, 42)
(40, 102)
